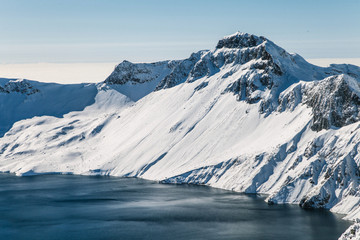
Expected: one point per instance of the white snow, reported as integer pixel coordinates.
(51, 99)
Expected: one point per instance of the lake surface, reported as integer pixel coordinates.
(82, 207)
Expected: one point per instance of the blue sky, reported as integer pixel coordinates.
(139, 30)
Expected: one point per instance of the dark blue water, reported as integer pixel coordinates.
(80, 207)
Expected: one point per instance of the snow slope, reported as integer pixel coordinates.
(247, 116)
(21, 99)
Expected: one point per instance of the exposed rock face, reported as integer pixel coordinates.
(137, 73)
(19, 86)
(181, 71)
(335, 102)
(240, 40)
(261, 74)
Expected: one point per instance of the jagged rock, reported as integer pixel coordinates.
(137, 73)
(181, 71)
(20, 86)
(335, 102)
(240, 40)
(315, 201)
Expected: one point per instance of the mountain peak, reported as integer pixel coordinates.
(240, 40)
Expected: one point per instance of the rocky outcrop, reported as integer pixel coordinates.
(353, 232)
(137, 73)
(260, 74)
(335, 102)
(20, 86)
(181, 71)
(240, 40)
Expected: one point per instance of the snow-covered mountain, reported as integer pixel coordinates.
(246, 116)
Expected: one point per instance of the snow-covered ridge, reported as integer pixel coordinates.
(266, 70)
(246, 116)
(21, 99)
